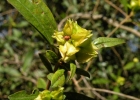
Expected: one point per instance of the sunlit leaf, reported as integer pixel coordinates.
(58, 78)
(41, 84)
(57, 94)
(44, 95)
(49, 76)
(38, 14)
(22, 95)
(107, 42)
(129, 66)
(72, 70)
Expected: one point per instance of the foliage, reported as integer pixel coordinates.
(105, 70)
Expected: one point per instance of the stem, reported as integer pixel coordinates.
(55, 69)
(48, 85)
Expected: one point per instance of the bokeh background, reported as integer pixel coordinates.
(116, 69)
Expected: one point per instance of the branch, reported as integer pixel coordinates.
(93, 91)
(111, 92)
(117, 8)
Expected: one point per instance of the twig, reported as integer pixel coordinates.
(87, 67)
(116, 24)
(122, 22)
(7, 12)
(118, 55)
(111, 92)
(117, 8)
(79, 89)
(29, 79)
(93, 91)
(96, 6)
(87, 84)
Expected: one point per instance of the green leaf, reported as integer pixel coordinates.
(51, 56)
(38, 14)
(22, 95)
(129, 65)
(11, 71)
(46, 62)
(41, 84)
(100, 81)
(125, 4)
(72, 70)
(49, 76)
(27, 59)
(107, 42)
(58, 78)
(116, 89)
(82, 72)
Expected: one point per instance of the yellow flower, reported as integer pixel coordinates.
(74, 33)
(68, 51)
(75, 43)
(59, 37)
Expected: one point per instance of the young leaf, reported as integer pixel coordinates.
(107, 42)
(72, 70)
(82, 72)
(58, 78)
(49, 76)
(22, 95)
(46, 62)
(51, 56)
(38, 14)
(129, 66)
(41, 84)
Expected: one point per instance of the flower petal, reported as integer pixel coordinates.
(59, 37)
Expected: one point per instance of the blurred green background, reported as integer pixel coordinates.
(116, 69)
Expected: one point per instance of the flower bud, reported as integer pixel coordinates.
(135, 4)
(120, 80)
